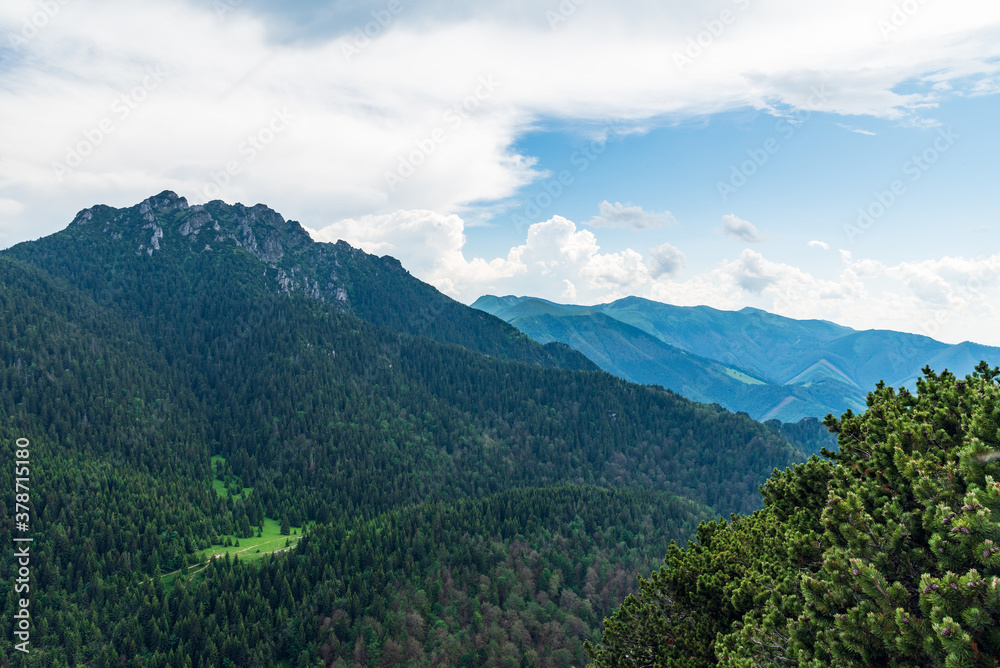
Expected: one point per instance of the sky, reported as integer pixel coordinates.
(817, 160)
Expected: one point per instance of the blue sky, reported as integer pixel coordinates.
(808, 189)
(817, 161)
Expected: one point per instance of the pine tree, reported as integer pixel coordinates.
(886, 554)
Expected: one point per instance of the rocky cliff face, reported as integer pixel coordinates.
(167, 221)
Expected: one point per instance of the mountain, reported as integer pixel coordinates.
(636, 355)
(207, 380)
(766, 365)
(376, 289)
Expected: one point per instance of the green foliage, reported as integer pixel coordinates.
(808, 434)
(503, 578)
(887, 554)
(160, 385)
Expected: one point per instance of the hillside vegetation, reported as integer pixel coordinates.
(140, 344)
(886, 553)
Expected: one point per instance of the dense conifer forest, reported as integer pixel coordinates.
(467, 496)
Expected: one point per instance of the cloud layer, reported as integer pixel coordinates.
(131, 98)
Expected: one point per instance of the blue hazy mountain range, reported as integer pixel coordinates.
(750, 360)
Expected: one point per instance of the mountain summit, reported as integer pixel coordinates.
(376, 289)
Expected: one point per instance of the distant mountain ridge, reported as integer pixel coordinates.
(767, 365)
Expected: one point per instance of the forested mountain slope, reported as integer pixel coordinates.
(138, 343)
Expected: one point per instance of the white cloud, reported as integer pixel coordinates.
(819, 244)
(737, 228)
(358, 119)
(428, 244)
(621, 273)
(665, 260)
(628, 215)
(945, 284)
(556, 241)
(752, 273)
(556, 260)
(431, 245)
(857, 130)
(948, 298)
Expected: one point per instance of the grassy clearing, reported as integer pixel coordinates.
(270, 540)
(219, 486)
(249, 549)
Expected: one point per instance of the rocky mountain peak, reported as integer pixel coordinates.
(164, 202)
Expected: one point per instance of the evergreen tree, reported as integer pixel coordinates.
(887, 553)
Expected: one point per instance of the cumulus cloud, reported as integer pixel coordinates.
(948, 298)
(737, 228)
(819, 244)
(947, 283)
(556, 257)
(428, 244)
(628, 215)
(665, 260)
(616, 272)
(752, 273)
(556, 241)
